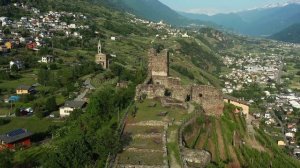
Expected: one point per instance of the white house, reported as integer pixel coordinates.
(290, 135)
(113, 38)
(70, 106)
(19, 64)
(47, 59)
(72, 26)
(267, 115)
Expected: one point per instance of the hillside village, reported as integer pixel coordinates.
(148, 99)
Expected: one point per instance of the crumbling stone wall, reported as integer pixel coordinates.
(166, 81)
(151, 91)
(210, 98)
(180, 92)
(159, 63)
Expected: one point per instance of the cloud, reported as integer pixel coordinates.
(207, 11)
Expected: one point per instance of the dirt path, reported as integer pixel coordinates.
(235, 161)
(220, 141)
(251, 140)
(212, 150)
(201, 140)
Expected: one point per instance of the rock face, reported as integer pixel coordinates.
(162, 85)
(199, 157)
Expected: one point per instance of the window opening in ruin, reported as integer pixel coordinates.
(188, 98)
(168, 93)
(200, 95)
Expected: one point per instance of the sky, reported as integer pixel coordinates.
(218, 6)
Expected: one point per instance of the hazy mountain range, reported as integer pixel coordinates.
(259, 22)
(153, 10)
(290, 34)
(264, 21)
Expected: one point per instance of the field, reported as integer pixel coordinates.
(292, 70)
(146, 112)
(28, 78)
(33, 124)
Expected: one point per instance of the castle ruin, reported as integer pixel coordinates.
(160, 84)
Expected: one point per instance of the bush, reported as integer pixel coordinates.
(51, 104)
(4, 121)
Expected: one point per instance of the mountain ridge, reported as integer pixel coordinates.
(290, 34)
(257, 22)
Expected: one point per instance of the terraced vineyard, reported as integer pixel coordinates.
(233, 142)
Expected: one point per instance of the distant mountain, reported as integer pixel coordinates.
(153, 10)
(290, 34)
(260, 22)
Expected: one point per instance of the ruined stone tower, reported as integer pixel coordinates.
(159, 63)
(101, 59)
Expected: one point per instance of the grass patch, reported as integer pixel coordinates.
(143, 129)
(141, 158)
(146, 113)
(147, 143)
(33, 124)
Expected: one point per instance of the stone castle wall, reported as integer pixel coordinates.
(152, 91)
(209, 97)
(160, 83)
(180, 92)
(166, 81)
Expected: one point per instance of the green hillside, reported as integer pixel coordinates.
(87, 138)
(290, 34)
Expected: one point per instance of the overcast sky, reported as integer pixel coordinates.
(217, 6)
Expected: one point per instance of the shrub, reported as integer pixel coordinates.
(4, 121)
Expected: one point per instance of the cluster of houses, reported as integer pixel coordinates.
(172, 32)
(248, 69)
(282, 113)
(39, 26)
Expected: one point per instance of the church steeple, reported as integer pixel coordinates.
(99, 47)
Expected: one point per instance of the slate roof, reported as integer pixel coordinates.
(15, 135)
(75, 104)
(23, 87)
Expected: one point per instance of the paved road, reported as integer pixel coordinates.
(88, 87)
(278, 78)
(281, 125)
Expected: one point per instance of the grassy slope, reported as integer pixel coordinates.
(33, 124)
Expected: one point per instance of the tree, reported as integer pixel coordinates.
(18, 112)
(38, 111)
(43, 76)
(75, 153)
(6, 158)
(51, 104)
